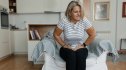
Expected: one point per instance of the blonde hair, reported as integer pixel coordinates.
(70, 7)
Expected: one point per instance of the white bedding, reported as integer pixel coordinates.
(92, 62)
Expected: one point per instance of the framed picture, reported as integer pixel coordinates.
(124, 9)
(101, 11)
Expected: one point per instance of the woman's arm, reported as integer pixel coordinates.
(57, 33)
(92, 33)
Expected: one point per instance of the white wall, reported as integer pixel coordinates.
(5, 4)
(106, 29)
(121, 25)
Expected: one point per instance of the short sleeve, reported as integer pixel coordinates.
(60, 24)
(87, 24)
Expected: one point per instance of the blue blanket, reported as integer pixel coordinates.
(45, 45)
(98, 46)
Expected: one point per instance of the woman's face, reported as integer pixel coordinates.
(76, 14)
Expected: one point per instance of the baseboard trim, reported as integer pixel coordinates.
(6, 57)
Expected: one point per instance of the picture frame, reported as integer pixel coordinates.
(101, 10)
(124, 9)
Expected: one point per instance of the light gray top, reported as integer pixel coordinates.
(74, 33)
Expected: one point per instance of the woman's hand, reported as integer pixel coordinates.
(79, 46)
(67, 46)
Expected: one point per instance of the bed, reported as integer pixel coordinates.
(48, 49)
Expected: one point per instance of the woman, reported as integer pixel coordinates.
(74, 26)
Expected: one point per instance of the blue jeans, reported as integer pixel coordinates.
(75, 60)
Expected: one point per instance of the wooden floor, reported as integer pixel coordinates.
(18, 63)
(21, 63)
(116, 66)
